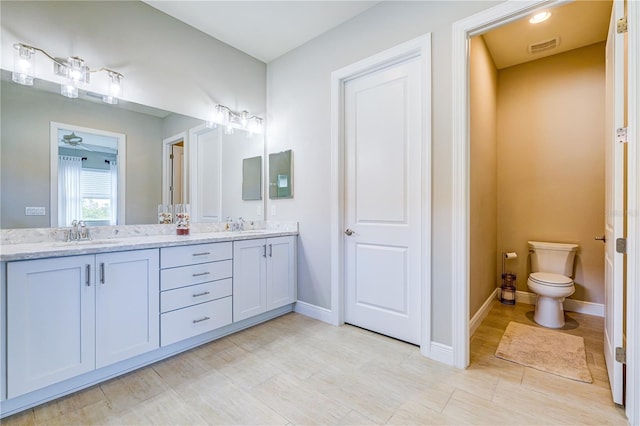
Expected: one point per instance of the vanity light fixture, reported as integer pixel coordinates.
(540, 17)
(224, 116)
(73, 69)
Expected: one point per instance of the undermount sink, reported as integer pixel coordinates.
(252, 231)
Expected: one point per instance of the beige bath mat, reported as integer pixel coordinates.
(546, 350)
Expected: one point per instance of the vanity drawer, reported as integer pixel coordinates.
(170, 257)
(192, 295)
(188, 322)
(195, 274)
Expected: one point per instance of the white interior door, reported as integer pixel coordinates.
(383, 145)
(614, 204)
(205, 169)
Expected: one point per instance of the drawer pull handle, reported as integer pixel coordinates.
(204, 293)
(200, 320)
(201, 274)
(102, 273)
(204, 253)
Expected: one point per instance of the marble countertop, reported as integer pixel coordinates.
(56, 248)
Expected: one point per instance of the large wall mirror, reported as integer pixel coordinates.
(27, 150)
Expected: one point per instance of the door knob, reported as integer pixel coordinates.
(603, 239)
(348, 232)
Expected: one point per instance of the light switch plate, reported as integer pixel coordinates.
(34, 211)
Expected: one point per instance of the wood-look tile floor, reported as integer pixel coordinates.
(295, 370)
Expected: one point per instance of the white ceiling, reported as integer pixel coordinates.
(263, 29)
(268, 29)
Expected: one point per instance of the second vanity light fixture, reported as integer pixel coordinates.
(224, 116)
(73, 69)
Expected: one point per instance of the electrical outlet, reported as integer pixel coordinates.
(34, 211)
(273, 209)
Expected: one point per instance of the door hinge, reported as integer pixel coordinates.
(621, 245)
(621, 25)
(621, 135)
(621, 355)
(171, 156)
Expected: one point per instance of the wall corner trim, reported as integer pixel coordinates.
(483, 311)
(314, 311)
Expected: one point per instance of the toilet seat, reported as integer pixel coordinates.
(555, 280)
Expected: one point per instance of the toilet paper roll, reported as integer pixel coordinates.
(511, 255)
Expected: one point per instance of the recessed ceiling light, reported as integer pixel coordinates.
(540, 17)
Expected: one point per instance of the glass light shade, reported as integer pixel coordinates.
(115, 89)
(69, 90)
(24, 64)
(77, 70)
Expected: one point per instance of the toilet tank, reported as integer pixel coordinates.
(556, 258)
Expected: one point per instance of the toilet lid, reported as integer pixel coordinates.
(547, 278)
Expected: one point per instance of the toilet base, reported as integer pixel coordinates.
(549, 312)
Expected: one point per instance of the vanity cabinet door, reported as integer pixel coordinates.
(249, 278)
(50, 321)
(264, 275)
(281, 271)
(127, 305)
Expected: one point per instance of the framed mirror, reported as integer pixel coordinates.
(280, 175)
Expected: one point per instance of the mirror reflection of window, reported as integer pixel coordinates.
(87, 178)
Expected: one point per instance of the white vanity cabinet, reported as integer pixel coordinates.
(70, 315)
(264, 275)
(196, 284)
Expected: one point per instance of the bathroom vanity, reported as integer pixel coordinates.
(78, 313)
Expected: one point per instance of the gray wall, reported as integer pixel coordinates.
(166, 63)
(298, 106)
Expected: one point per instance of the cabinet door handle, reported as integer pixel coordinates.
(200, 320)
(264, 248)
(102, 273)
(199, 274)
(204, 253)
(88, 275)
(270, 250)
(204, 293)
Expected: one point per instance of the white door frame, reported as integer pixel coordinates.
(633, 218)
(166, 150)
(477, 24)
(418, 47)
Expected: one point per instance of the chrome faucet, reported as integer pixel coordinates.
(237, 225)
(78, 232)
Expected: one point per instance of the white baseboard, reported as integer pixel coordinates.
(571, 305)
(313, 311)
(482, 312)
(441, 353)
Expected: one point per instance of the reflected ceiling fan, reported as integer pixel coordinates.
(75, 141)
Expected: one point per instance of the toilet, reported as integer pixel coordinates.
(550, 279)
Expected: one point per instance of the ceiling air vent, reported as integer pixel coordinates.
(544, 46)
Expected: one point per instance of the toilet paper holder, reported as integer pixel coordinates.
(508, 287)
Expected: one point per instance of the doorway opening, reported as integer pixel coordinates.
(463, 30)
(174, 182)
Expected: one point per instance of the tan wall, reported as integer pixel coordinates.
(551, 161)
(483, 196)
